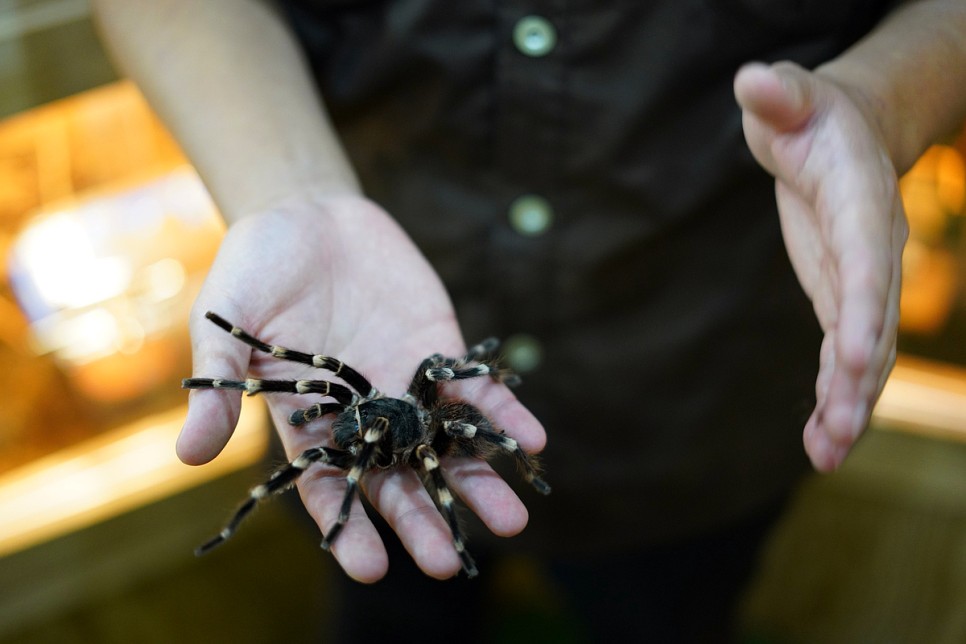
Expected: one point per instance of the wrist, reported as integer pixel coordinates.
(324, 198)
(908, 75)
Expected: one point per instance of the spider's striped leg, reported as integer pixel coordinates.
(481, 352)
(363, 462)
(486, 352)
(438, 489)
(455, 372)
(280, 481)
(437, 368)
(302, 416)
(252, 386)
(481, 430)
(449, 369)
(352, 377)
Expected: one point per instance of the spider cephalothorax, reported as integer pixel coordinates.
(371, 430)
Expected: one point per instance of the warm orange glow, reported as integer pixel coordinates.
(101, 273)
(933, 193)
(933, 190)
(924, 397)
(107, 281)
(928, 289)
(113, 473)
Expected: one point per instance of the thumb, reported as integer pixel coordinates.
(780, 96)
(212, 414)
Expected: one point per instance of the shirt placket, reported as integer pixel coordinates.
(529, 107)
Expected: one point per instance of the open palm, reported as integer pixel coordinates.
(844, 228)
(337, 276)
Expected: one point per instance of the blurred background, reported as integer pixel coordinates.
(105, 235)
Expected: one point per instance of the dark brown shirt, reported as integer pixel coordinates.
(679, 353)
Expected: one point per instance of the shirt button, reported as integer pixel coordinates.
(530, 215)
(534, 36)
(523, 353)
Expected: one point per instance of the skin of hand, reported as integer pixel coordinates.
(844, 228)
(335, 275)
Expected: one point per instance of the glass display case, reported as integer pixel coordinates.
(107, 234)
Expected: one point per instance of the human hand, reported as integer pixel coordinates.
(844, 227)
(337, 276)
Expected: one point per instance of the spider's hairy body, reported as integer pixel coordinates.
(371, 430)
(402, 437)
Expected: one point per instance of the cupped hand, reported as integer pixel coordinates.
(844, 228)
(337, 276)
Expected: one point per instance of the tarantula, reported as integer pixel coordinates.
(371, 430)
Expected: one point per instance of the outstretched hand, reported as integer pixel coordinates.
(337, 276)
(844, 228)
